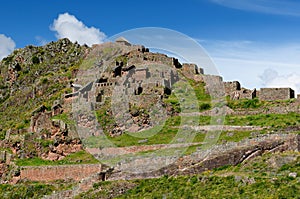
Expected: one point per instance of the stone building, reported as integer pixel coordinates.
(231, 87)
(191, 70)
(122, 40)
(140, 74)
(270, 94)
(298, 98)
(235, 91)
(143, 55)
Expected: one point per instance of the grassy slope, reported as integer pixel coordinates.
(256, 179)
(50, 78)
(215, 184)
(32, 190)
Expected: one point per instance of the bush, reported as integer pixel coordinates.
(44, 80)
(204, 106)
(35, 60)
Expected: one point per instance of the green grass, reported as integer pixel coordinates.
(265, 120)
(233, 136)
(244, 103)
(165, 134)
(33, 190)
(105, 119)
(80, 157)
(206, 185)
(157, 135)
(16, 109)
(87, 63)
(181, 101)
(21, 191)
(63, 117)
(107, 189)
(199, 89)
(256, 179)
(256, 103)
(213, 187)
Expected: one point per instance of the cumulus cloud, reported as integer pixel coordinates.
(272, 79)
(256, 64)
(7, 45)
(68, 26)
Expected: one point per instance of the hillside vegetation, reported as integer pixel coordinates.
(33, 79)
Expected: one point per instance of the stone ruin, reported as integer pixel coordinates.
(271, 94)
(235, 91)
(122, 40)
(136, 78)
(134, 73)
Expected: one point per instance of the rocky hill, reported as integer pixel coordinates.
(79, 115)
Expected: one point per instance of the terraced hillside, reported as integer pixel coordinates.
(137, 124)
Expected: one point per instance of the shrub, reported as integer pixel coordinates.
(44, 80)
(204, 106)
(35, 60)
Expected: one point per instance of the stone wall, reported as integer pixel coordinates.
(234, 90)
(140, 74)
(226, 154)
(298, 99)
(269, 94)
(190, 70)
(61, 172)
(214, 86)
(231, 87)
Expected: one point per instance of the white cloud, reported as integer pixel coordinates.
(249, 61)
(7, 45)
(271, 78)
(68, 26)
(279, 7)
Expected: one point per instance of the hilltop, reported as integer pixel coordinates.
(117, 111)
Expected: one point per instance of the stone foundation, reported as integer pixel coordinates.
(59, 172)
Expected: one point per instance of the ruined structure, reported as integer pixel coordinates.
(271, 94)
(235, 91)
(137, 71)
(61, 172)
(192, 71)
(134, 70)
(122, 40)
(144, 78)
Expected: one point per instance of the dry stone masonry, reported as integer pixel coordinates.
(270, 94)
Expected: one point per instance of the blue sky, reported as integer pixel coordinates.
(254, 41)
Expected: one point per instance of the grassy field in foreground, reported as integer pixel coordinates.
(32, 190)
(257, 178)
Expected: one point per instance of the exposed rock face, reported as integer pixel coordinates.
(62, 148)
(55, 130)
(228, 154)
